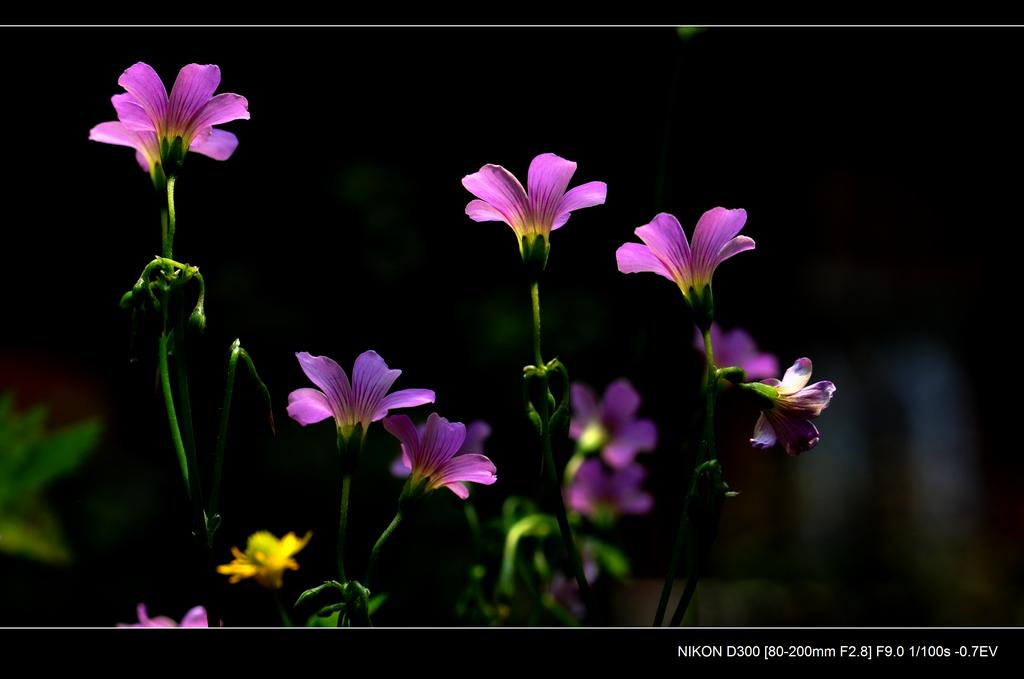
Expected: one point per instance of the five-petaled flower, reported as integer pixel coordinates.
(667, 253)
(790, 404)
(477, 432)
(195, 617)
(736, 348)
(436, 458)
(611, 426)
(266, 558)
(534, 212)
(360, 402)
(604, 495)
(163, 128)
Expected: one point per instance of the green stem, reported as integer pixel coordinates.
(281, 610)
(548, 462)
(707, 448)
(168, 241)
(380, 543)
(346, 487)
(535, 298)
(172, 418)
(222, 430)
(188, 435)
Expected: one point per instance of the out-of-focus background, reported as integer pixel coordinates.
(880, 171)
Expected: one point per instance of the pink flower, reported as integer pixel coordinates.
(611, 426)
(534, 213)
(667, 253)
(437, 458)
(362, 401)
(792, 405)
(162, 128)
(196, 617)
(737, 348)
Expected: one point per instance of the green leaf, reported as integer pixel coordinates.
(31, 530)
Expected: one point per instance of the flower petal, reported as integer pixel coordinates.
(114, 133)
(401, 467)
(402, 428)
(477, 432)
(620, 403)
(546, 182)
(760, 365)
(222, 109)
(636, 501)
(764, 436)
(439, 442)
(796, 377)
(196, 617)
(131, 114)
(734, 247)
(496, 186)
(404, 398)
(479, 211)
(665, 237)
(579, 197)
(371, 379)
(308, 406)
(796, 435)
(714, 229)
(142, 82)
(469, 468)
(192, 89)
(635, 437)
(808, 402)
(637, 258)
(332, 380)
(216, 144)
(584, 409)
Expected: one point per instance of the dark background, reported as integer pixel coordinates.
(879, 169)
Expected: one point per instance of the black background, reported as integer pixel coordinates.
(879, 169)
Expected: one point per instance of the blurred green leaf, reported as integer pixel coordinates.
(31, 459)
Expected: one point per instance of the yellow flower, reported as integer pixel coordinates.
(266, 558)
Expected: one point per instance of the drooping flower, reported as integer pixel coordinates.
(791, 404)
(436, 456)
(196, 617)
(477, 432)
(534, 212)
(603, 495)
(737, 348)
(360, 402)
(163, 128)
(667, 252)
(266, 558)
(611, 426)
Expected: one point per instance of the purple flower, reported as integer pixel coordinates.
(537, 211)
(611, 425)
(436, 456)
(667, 253)
(604, 495)
(196, 617)
(566, 591)
(152, 123)
(792, 405)
(737, 348)
(363, 400)
(477, 432)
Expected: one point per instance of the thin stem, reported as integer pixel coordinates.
(346, 486)
(185, 401)
(380, 543)
(535, 297)
(677, 549)
(707, 448)
(281, 610)
(169, 239)
(165, 248)
(172, 417)
(222, 430)
(548, 462)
